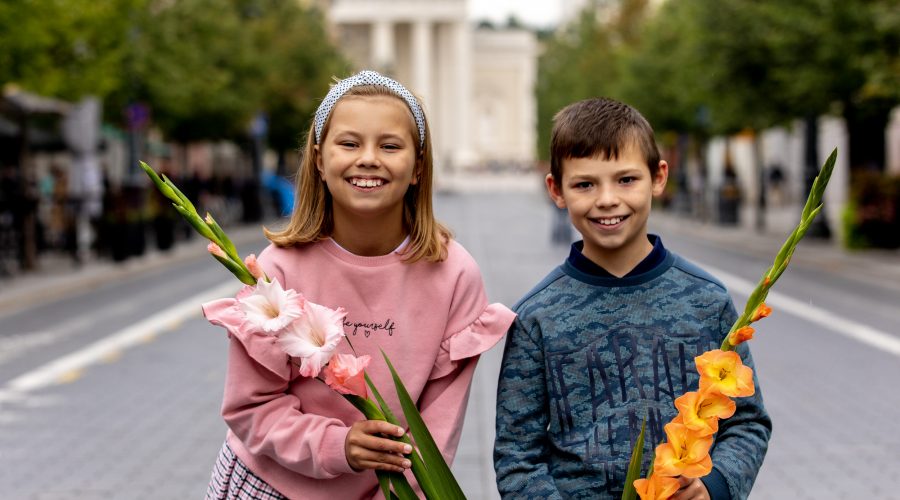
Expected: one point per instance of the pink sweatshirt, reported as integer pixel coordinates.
(432, 320)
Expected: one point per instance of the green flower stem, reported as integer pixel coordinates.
(226, 243)
(237, 269)
(810, 210)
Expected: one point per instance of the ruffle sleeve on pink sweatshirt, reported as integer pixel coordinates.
(259, 345)
(477, 337)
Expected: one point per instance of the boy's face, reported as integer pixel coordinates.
(609, 203)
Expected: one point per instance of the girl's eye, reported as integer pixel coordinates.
(347, 144)
(391, 147)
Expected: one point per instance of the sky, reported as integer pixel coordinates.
(537, 13)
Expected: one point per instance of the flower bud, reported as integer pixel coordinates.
(215, 250)
(762, 311)
(253, 267)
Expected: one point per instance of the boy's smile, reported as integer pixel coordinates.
(609, 204)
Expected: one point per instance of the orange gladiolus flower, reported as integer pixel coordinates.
(656, 487)
(762, 311)
(723, 371)
(685, 453)
(701, 411)
(741, 335)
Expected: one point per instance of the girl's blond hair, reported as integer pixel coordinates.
(312, 218)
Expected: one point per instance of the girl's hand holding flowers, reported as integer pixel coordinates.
(367, 449)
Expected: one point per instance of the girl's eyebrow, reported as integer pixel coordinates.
(391, 135)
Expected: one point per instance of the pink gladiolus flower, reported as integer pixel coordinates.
(313, 337)
(253, 266)
(216, 250)
(346, 374)
(270, 308)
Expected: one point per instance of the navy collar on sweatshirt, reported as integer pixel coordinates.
(656, 257)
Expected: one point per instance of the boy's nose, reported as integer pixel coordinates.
(606, 197)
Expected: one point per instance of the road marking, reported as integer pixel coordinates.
(54, 371)
(833, 322)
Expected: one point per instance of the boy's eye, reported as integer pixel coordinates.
(627, 180)
(582, 185)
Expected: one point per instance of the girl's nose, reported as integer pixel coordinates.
(368, 157)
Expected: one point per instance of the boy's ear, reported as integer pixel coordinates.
(659, 180)
(555, 191)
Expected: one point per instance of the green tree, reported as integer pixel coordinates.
(298, 62)
(64, 48)
(583, 59)
(838, 56)
(193, 63)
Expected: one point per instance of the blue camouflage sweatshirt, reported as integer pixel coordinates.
(589, 358)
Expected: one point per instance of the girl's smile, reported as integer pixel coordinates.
(367, 160)
(366, 184)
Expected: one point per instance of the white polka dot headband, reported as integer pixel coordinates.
(367, 78)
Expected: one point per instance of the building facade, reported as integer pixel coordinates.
(477, 85)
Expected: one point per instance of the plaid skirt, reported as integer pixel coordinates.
(232, 480)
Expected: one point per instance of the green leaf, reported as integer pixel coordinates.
(634, 466)
(437, 467)
(385, 478)
(419, 469)
(384, 482)
(401, 486)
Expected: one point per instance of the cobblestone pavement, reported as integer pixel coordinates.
(144, 422)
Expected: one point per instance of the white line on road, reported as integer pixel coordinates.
(158, 323)
(850, 329)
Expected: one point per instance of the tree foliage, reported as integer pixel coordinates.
(63, 48)
(204, 68)
(724, 65)
(583, 59)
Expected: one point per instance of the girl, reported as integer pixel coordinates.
(363, 237)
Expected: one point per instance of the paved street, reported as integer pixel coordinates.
(112, 390)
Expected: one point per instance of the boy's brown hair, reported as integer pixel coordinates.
(600, 127)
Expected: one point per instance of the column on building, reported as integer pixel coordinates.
(382, 44)
(421, 59)
(461, 94)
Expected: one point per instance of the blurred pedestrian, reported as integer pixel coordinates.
(363, 236)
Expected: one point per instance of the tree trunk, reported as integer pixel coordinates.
(866, 130)
(819, 227)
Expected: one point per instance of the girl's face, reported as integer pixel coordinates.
(368, 159)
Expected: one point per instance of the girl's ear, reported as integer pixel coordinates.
(417, 172)
(317, 157)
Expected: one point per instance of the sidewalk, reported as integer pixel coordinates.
(865, 266)
(57, 277)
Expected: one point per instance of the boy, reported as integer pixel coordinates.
(607, 339)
